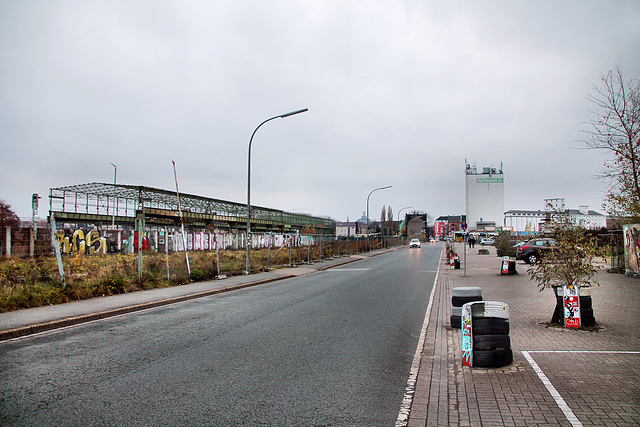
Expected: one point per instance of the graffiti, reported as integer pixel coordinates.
(467, 342)
(81, 242)
(90, 242)
(632, 248)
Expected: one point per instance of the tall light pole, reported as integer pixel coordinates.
(281, 116)
(376, 189)
(115, 175)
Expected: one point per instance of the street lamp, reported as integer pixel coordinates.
(399, 230)
(376, 189)
(408, 207)
(281, 116)
(115, 175)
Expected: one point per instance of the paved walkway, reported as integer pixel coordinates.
(558, 376)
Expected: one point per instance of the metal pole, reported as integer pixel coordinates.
(464, 242)
(184, 237)
(381, 188)
(115, 175)
(248, 243)
(56, 248)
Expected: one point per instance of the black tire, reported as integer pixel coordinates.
(456, 322)
(491, 342)
(586, 302)
(586, 312)
(490, 326)
(458, 301)
(588, 320)
(532, 258)
(586, 317)
(492, 359)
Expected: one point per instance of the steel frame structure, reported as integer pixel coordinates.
(101, 202)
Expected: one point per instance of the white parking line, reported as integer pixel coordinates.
(571, 417)
(410, 390)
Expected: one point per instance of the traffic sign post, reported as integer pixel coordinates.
(463, 225)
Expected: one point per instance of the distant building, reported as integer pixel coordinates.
(345, 228)
(526, 222)
(484, 198)
(416, 225)
(443, 225)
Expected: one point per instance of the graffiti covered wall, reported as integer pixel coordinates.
(632, 248)
(82, 242)
(90, 241)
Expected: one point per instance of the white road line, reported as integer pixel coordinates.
(571, 417)
(585, 351)
(410, 390)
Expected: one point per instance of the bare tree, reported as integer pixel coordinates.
(615, 128)
(390, 223)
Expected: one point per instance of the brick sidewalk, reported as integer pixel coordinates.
(593, 388)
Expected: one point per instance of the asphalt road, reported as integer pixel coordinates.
(331, 348)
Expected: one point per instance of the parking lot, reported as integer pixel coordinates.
(558, 376)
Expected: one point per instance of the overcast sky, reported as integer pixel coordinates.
(399, 93)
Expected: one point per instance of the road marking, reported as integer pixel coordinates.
(571, 417)
(348, 269)
(410, 390)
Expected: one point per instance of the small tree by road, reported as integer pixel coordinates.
(571, 261)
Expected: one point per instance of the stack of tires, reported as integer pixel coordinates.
(459, 297)
(490, 334)
(586, 310)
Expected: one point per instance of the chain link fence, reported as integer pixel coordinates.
(97, 261)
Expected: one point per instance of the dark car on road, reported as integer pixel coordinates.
(531, 251)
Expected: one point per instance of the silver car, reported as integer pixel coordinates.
(415, 243)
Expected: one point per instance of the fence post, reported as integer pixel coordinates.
(166, 249)
(269, 249)
(56, 248)
(8, 242)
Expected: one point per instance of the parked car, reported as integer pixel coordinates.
(531, 251)
(414, 243)
(487, 241)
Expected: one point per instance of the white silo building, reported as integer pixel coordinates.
(484, 197)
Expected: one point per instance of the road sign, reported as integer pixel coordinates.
(463, 226)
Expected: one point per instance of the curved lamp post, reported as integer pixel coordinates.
(376, 189)
(281, 116)
(408, 207)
